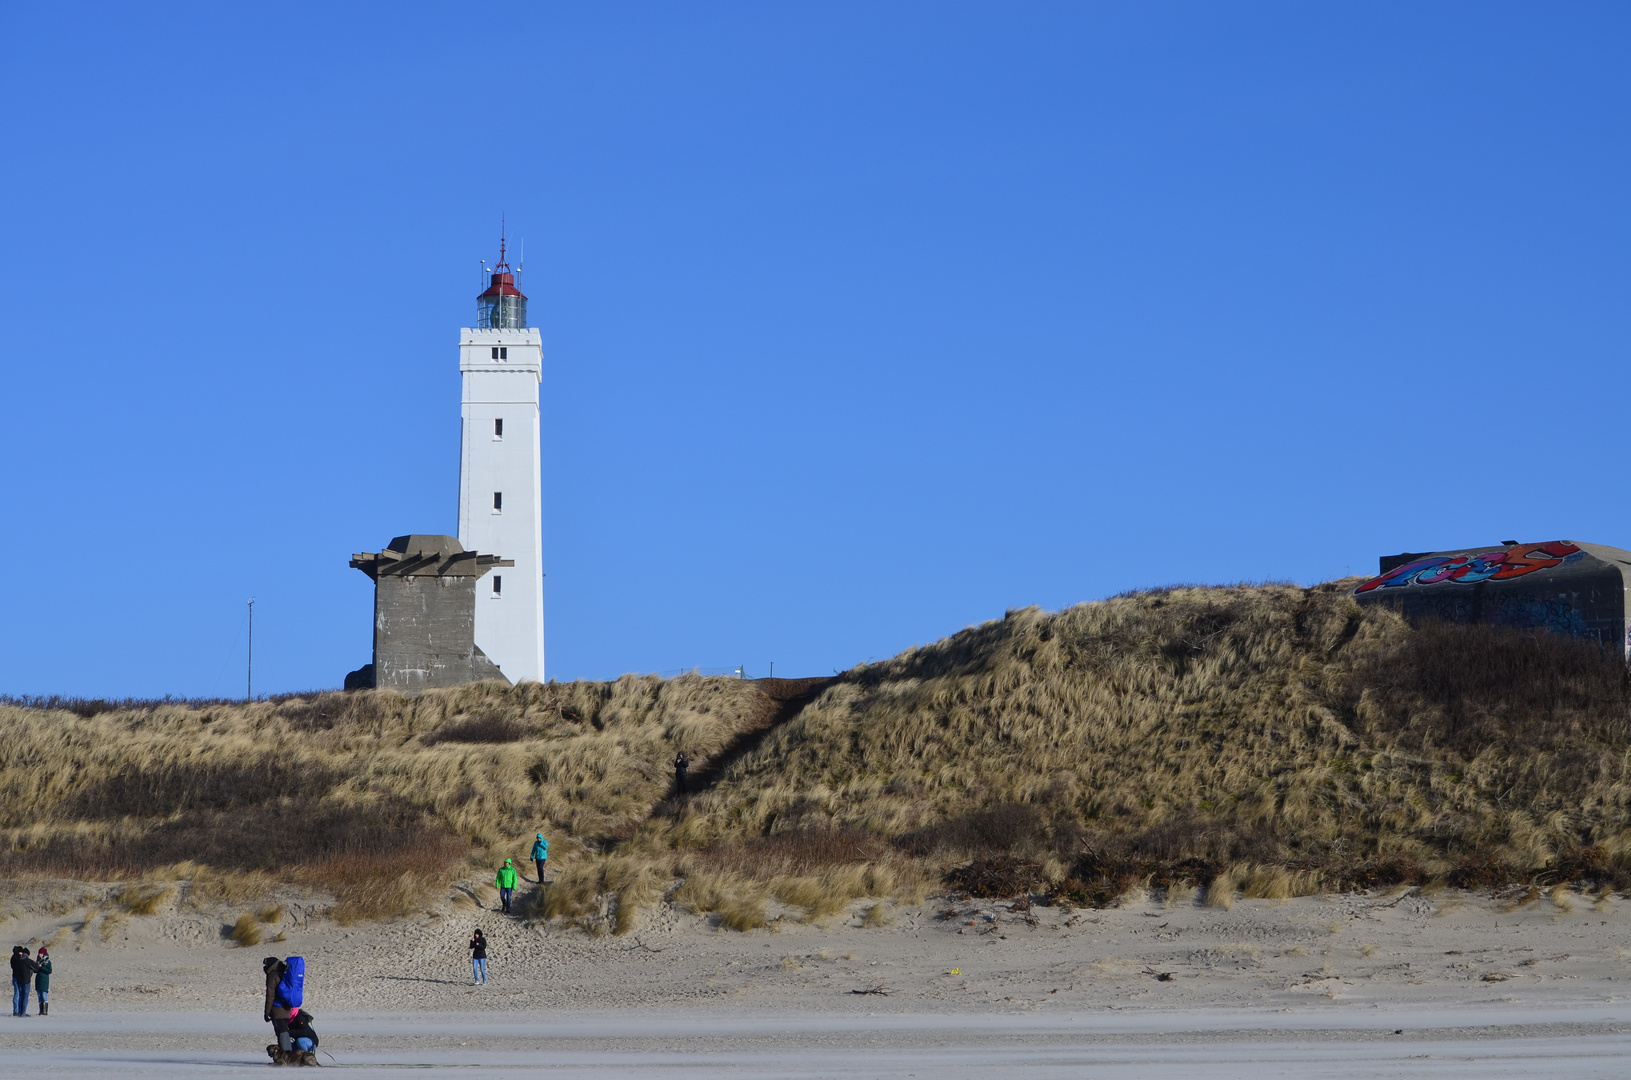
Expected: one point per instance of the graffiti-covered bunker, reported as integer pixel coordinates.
(1561, 585)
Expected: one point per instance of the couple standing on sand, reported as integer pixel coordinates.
(506, 880)
(22, 969)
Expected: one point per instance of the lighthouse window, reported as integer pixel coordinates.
(498, 428)
(498, 502)
(495, 352)
(498, 584)
(503, 353)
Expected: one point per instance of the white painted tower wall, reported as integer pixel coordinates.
(510, 619)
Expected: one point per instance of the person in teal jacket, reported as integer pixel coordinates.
(42, 980)
(540, 855)
(505, 883)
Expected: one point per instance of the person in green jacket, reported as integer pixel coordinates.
(505, 883)
(540, 855)
(42, 981)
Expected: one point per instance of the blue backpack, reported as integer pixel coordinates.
(291, 989)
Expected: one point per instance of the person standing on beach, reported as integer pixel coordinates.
(682, 764)
(22, 971)
(478, 958)
(42, 980)
(540, 855)
(505, 883)
(285, 993)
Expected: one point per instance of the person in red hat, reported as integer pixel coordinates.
(42, 979)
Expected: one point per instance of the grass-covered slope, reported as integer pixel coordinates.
(1181, 736)
(1268, 723)
(348, 792)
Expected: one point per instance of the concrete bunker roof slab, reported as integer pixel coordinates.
(428, 555)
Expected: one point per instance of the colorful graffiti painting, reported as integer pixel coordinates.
(1502, 565)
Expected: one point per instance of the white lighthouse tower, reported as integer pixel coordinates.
(500, 508)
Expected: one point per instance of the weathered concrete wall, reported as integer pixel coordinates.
(425, 613)
(425, 633)
(1560, 586)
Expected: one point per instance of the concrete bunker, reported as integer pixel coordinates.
(1562, 586)
(425, 614)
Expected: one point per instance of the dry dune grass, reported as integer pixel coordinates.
(1214, 743)
(812, 877)
(599, 895)
(373, 797)
(246, 932)
(144, 899)
(1269, 726)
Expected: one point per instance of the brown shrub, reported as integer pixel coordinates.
(1005, 827)
(1378, 874)
(1100, 878)
(368, 883)
(1586, 866)
(996, 878)
(1072, 892)
(1482, 872)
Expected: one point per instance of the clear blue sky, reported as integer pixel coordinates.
(863, 322)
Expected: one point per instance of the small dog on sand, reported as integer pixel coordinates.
(290, 1057)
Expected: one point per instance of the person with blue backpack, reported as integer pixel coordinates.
(285, 993)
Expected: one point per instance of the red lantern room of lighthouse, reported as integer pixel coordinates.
(502, 306)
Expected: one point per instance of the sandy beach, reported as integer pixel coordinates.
(1448, 984)
(1345, 1042)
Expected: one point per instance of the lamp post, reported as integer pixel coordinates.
(249, 678)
